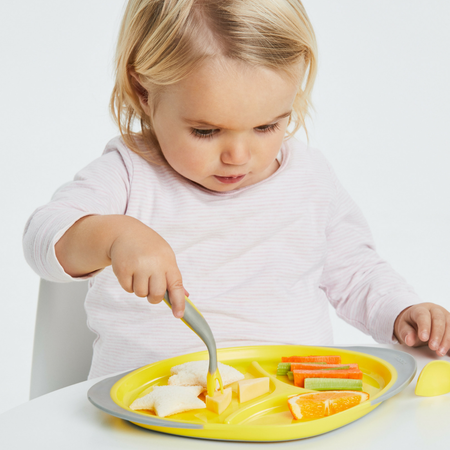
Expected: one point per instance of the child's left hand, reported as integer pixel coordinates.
(422, 324)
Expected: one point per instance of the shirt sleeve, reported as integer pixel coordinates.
(363, 288)
(100, 188)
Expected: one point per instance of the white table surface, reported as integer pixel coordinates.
(65, 419)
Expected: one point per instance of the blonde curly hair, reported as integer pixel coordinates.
(163, 41)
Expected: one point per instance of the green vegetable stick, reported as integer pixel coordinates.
(290, 375)
(287, 365)
(284, 366)
(334, 368)
(309, 363)
(333, 384)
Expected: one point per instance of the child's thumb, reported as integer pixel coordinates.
(408, 336)
(406, 333)
(176, 295)
(403, 331)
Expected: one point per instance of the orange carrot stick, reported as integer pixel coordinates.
(313, 366)
(329, 359)
(300, 375)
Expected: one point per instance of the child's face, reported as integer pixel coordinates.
(223, 126)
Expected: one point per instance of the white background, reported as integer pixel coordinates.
(382, 117)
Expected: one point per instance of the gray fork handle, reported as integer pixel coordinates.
(200, 326)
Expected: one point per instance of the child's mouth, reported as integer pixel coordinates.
(232, 179)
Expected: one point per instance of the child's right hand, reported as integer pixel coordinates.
(144, 263)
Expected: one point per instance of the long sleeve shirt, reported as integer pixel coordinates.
(262, 263)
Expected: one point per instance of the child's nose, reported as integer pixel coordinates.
(235, 154)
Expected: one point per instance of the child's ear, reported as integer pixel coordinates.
(141, 92)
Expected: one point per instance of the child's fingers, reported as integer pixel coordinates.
(444, 347)
(438, 326)
(426, 323)
(124, 277)
(440, 330)
(176, 292)
(140, 284)
(407, 334)
(421, 317)
(156, 288)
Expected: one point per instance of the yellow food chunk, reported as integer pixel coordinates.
(219, 402)
(252, 388)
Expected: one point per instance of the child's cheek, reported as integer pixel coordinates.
(189, 163)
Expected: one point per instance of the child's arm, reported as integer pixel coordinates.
(141, 259)
(426, 323)
(364, 289)
(84, 228)
(368, 293)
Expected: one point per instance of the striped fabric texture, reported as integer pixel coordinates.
(262, 263)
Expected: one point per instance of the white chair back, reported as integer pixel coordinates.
(62, 350)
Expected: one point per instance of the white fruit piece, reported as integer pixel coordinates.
(252, 388)
(219, 402)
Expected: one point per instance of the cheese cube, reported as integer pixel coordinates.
(219, 402)
(252, 388)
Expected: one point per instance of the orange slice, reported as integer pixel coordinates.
(314, 405)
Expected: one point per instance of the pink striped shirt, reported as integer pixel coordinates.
(262, 263)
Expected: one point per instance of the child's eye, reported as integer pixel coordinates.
(268, 128)
(203, 133)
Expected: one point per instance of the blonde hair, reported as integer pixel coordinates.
(163, 41)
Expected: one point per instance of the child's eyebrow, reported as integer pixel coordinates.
(205, 123)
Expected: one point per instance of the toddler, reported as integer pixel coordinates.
(206, 189)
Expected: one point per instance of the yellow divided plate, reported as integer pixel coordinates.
(266, 418)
